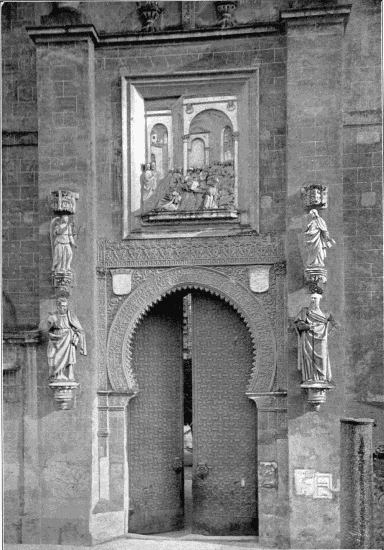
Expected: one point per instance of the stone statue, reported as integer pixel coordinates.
(62, 242)
(318, 240)
(65, 334)
(312, 327)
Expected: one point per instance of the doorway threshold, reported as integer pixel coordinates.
(187, 535)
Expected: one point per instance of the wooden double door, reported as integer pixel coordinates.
(224, 472)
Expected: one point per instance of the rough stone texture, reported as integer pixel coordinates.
(356, 472)
(314, 443)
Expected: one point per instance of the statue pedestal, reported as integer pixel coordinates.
(63, 391)
(315, 274)
(316, 392)
(63, 281)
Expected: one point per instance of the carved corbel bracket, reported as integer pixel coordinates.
(316, 393)
(63, 201)
(315, 195)
(63, 392)
(314, 275)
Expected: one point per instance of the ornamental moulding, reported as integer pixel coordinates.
(206, 251)
(131, 311)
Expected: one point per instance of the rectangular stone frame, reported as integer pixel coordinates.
(248, 185)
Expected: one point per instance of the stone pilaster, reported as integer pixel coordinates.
(272, 467)
(314, 156)
(66, 159)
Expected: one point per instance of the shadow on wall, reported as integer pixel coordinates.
(10, 319)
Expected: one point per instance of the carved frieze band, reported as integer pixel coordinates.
(250, 308)
(240, 250)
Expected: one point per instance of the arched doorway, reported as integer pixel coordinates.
(224, 477)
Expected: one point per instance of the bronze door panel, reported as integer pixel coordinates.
(224, 421)
(155, 434)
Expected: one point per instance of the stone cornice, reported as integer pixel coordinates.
(44, 35)
(330, 15)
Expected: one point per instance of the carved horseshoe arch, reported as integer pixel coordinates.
(135, 306)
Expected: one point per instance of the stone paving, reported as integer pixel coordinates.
(150, 544)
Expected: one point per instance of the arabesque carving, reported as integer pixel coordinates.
(134, 307)
(248, 249)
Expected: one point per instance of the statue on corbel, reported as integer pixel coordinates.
(318, 241)
(62, 233)
(62, 327)
(65, 335)
(312, 327)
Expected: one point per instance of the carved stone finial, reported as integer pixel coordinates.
(225, 11)
(149, 14)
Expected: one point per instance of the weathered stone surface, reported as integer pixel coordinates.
(356, 498)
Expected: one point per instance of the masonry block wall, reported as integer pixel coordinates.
(363, 228)
(319, 122)
(20, 169)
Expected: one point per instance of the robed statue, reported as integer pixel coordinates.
(312, 327)
(65, 334)
(318, 240)
(62, 242)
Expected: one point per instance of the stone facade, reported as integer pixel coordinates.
(306, 82)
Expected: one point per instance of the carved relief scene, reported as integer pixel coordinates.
(190, 165)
